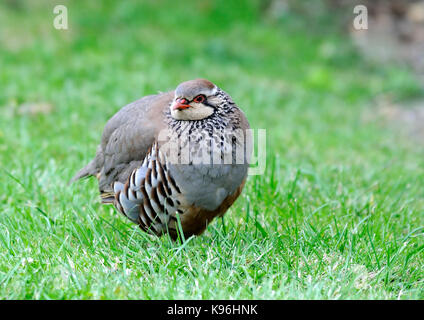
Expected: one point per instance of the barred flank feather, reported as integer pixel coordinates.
(146, 197)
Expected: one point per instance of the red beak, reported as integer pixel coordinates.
(180, 104)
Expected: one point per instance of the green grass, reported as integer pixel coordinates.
(339, 213)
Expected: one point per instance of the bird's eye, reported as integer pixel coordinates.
(199, 99)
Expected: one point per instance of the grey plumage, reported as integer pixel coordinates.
(138, 177)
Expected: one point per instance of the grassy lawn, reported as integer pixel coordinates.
(339, 213)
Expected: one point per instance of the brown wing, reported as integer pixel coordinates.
(126, 139)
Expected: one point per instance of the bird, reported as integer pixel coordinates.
(171, 162)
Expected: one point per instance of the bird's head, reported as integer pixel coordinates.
(195, 100)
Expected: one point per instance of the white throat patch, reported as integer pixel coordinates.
(196, 111)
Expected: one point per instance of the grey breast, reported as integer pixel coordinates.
(207, 185)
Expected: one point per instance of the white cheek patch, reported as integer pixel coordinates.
(195, 112)
(214, 100)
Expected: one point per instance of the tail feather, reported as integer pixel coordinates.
(92, 168)
(107, 197)
(87, 171)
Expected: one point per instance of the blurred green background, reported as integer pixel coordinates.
(338, 213)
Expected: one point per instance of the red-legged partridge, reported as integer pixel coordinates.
(174, 153)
